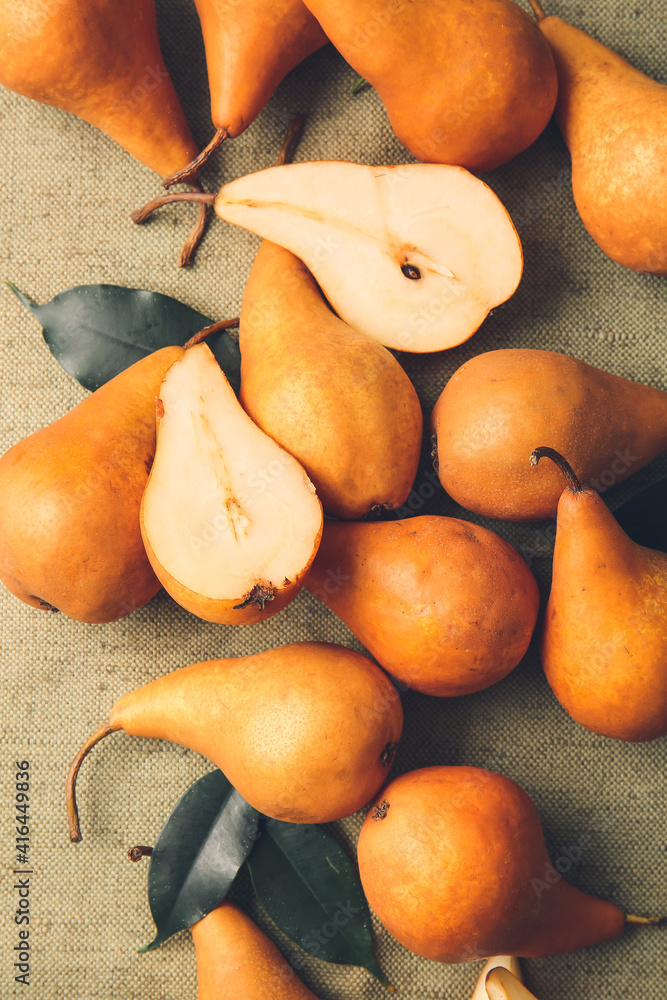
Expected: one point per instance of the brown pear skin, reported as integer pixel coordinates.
(102, 62)
(250, 48)
(454, 864)
(464, 82)
(445, 606)
(70, 496)
(237, 961)
(334, 398)
(605, 629)
(306, 733)
(498, 404)
(614, 121)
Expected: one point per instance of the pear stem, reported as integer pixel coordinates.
(290, 141)
(139, 852)
(197, 232)
(633, 918)
(70, 794)
(142, 214)
(224, 324)
(562, 463)
(538, 10)
(186, 175)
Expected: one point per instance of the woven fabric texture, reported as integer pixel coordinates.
(66, 192)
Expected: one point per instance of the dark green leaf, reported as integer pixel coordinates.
(202, 845)
(644, 517)
(97, 331)
(310, 889)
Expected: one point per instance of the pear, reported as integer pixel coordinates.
(414, 255)
(468, 82)
(306, 733)
(454, 864)
(250, 48)
(497, 404)
(229, 519)
(101, 61)
(334, 398)
(501, 984)
(237, 961)
(70, 496)
(445, 606)
(605, 629)
(614, 122)
(505, 962)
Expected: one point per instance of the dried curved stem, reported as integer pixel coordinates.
(140, 215)
(538, 9)
(70, 794)
(633, 918)
(562, 464)
(197, 232)
(290, 141)
(224, 324)
(188, 174)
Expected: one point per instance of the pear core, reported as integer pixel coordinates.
(226, 510)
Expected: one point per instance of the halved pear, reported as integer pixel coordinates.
(414, 255)
(508, 962)
(229, 519)
(502, 985)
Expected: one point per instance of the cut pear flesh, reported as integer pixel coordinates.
(413, 255)
(228, 516)
(508, 962)
(502, 985)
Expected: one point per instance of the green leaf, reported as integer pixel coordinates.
(310, 889)
(97, 331)
(202, 845)
(644, 517)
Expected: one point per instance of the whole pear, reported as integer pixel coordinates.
(101, 61)
(453, 862)
(614, 121)
(498, 404)
(70, 496)
(605, 629)
(467, 82)
(250, 48)
(306, 733)
(334, 398)
(237, 961)
(446, 606)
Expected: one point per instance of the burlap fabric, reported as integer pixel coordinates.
(66, 193)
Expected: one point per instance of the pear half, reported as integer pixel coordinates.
(414, 255)
(501, 984)
(229, 519)
(508, 962)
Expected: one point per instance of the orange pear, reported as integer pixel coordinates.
(334, 398)
(453, 862)
(446, 606)
(229, 519)
(306, 733)
(101, 61)
(250, 47)
(70, 496)
(498, 404)
(605, 629)
(466, 82)
(237, 961)
(614, 121)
